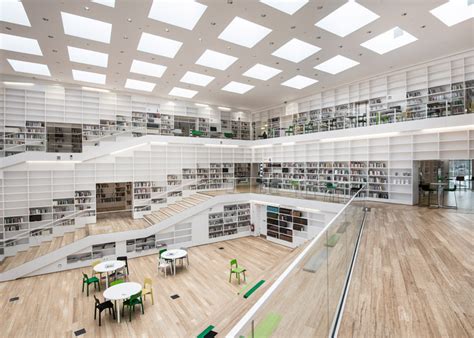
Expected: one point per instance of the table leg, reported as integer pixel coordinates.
(107, 280)
(174, 267)
(118, 312)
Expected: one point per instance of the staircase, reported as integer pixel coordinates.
(173, 209)
(42, 249)
(46, 247)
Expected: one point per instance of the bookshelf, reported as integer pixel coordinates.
(234, 219)
(112, 196)
(64, 138)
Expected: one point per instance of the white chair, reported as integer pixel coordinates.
(163, 265)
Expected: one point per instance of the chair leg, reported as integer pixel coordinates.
(245, 279)
(113, 312)
(152, 300)
(98, 284)
(95, 313)
(82, 286)
(230, 276)
(143, 307)
(100, 321)
(87, 290)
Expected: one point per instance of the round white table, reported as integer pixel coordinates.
(108, 266)
(173, 255)
(120, 292)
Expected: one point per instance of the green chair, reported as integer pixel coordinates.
(117, 281)
(197, 133)
(131, 302)
(330, 188)
(290, 131)
(228, 135)
(236, 270)
(87, 281)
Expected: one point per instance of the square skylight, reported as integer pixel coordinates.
(159, 45)
(336, 64)
(108, 3)
(296, 50)
(392, 39)
(244, 33)
(86, 28)
(19, 44)
(237, 87)
(454, 12)
(88, 57)
(347, 19)
(187, 93)
(286, 6)
(262, 72)
(197, 79)
(181, 13)
(80, 75)
(299, 82)
(29, 67)
(147, 68)
(216, 60)
(13, 11)
(140, 85)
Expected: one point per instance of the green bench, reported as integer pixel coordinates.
(266, 327)
(206, 331)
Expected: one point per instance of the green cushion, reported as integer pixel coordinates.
(206, 331)
(238, 270)
(228, 135)
(266, 327)
(197, 133)
(332, 241)
(92, 280)
(254, 288)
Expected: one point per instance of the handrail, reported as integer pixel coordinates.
(20, 236)
(97, 141)
(268, 293)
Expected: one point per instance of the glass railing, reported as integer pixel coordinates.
(305, 300)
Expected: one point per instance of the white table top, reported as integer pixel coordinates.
(122, 291)
(438, 183)
(174, 254)
(109, 266)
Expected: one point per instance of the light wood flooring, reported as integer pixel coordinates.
(414, 275)
(53, 305)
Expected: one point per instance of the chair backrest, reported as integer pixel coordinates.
(97, 302)
(162, 262)
(459, 178)
(136, 296)
(94, 263)
(161, 251)
(425, 187)
(115, 282)
(123, 258)
(147, 282)
(84, 276)
(329, 185)
(233, 262)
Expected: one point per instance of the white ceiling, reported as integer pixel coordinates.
(434, 39)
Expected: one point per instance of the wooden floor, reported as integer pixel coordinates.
(53, 305)
(414, 275)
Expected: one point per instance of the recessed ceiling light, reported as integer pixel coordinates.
(197, 79)
(80, 75)
(86, 28)
(237, 87)
(187, 93)
(299, 82)
(244, 33)
(139, 85)
(181, 13)
(29, 67)
(454, 12)
(158, 45)
(288, 7)
(108, 3)
(392, 39)
(146, 68)
(19, 44)
(100, 90)
(224, 108)
(262, 72)
(336, 64)
(88, 57)
(14, 12)
(296, 50)
(347, 19)
(215, 60)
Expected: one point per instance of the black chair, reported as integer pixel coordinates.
(125, 259)
(103, 306)
(124, 272)
(425, 188)
(461, 181)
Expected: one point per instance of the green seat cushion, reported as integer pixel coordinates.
(238, 270)
(266, 327)
(93, 280)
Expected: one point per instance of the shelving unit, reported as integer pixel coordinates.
(235, 218)
(64, 138)
(113, 196)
